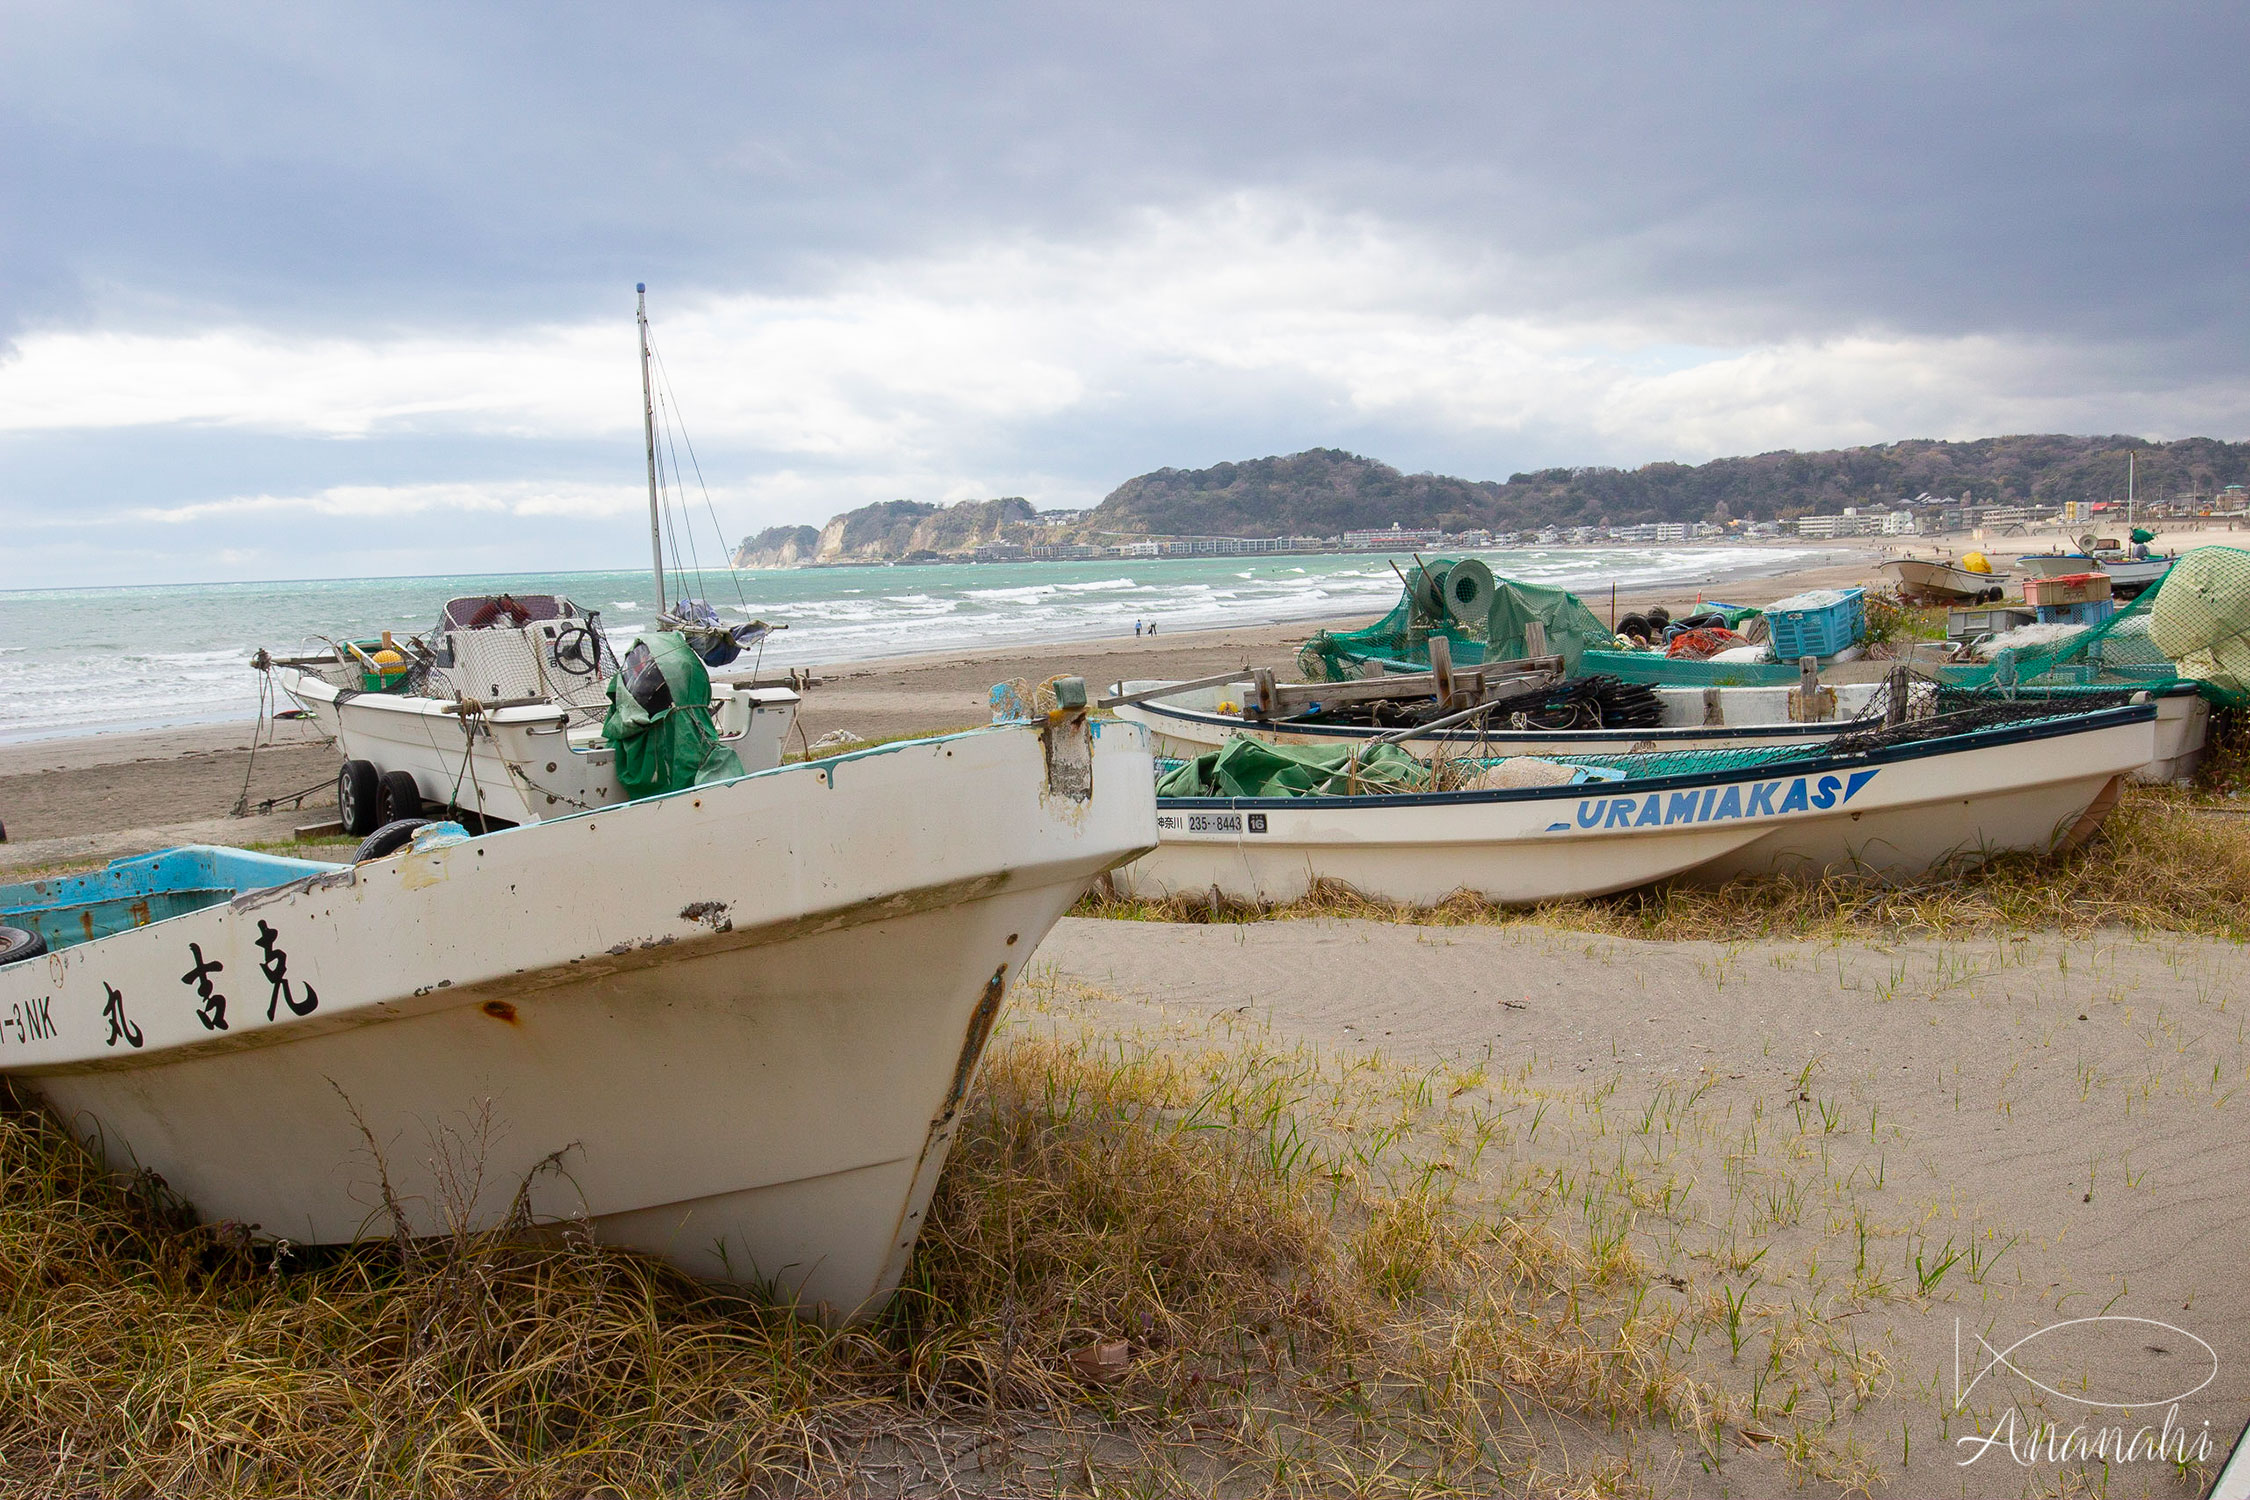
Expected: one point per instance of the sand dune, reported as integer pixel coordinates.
(2063, 1118)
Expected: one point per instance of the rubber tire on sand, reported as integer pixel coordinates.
(388, 839)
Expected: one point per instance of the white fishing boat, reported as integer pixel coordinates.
(2128, 574)
(1190, 719)
(1893, 811)
(497, 711)
(1942, 582)
(1196, 718)
(2055, 564)
(731, 1026)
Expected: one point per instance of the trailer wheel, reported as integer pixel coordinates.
(20, 943)
(356, 789)
(400, 798)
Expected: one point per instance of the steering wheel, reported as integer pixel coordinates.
(578, 651)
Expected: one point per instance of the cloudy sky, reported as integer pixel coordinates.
(299, 290)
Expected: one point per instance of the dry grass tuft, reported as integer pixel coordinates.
(1301, 1316)
(2163, 861)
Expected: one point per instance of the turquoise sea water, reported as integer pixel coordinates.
(77, 661)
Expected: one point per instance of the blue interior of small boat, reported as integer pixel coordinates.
(70, 909)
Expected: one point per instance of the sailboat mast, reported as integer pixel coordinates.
(648, 431)
(2129, 488)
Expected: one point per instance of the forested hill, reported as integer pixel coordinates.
(1325, 491)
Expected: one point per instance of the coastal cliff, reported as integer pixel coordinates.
(1324, 492)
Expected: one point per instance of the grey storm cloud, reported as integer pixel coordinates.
(273, 270)
(1796, 168)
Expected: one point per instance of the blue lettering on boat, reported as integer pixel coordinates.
(1717, 804)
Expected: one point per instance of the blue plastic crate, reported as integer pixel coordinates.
(2092, 612)
(1817, 632)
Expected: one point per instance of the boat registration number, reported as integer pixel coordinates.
(1204, 822)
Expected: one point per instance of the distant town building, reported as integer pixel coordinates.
(1397, 538)
(1856, 522)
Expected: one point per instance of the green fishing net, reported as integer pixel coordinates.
(660, 720)
(2193, 623)
(1481, 617)
(1246, 767)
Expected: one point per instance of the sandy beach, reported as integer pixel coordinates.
(1842, 1117)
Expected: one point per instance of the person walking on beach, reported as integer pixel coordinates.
(1136, 630)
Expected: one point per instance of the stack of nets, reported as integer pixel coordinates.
(1498, 633)
(2193, 623)
(1574, 703)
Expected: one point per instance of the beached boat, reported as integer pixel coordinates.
(2055, 564)
(1198, 718)
(496, 711)
(731, 1026)
(1942, 582)
(1895, 810)
(2128, 575)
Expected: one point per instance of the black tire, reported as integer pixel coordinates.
(388, 839)
(400, 797)
(356, 789)
(18, 944)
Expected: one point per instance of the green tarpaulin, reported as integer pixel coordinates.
(1246, 767)
(1571, 627)
(660, 720)
(1496, 633)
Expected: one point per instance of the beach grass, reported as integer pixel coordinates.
(1156, 1264)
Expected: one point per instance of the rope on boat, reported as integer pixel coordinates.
(243, 807)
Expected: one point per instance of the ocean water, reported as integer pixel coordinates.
(80, 661)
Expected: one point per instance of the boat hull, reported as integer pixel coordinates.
(1189, 725)
(1894, 814)
(516, 764)
(732, 1027)
(2055, 564)
(1941, 581)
